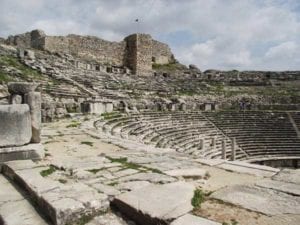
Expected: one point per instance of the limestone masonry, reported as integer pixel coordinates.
(137, 51)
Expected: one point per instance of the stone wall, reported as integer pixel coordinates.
(136, 51)
(87, 47)
(161, 53)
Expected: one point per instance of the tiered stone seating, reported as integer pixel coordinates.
(259, 134)
(188, 132)
(296, 117)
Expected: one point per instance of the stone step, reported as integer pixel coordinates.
(156, 204)
(60, 203)
(15, 209)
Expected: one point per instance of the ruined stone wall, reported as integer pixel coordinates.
(95, 48)
(136, 51)
(33, 39)
(56, 44)
(21, 40)
(161, 53)
(88, 47)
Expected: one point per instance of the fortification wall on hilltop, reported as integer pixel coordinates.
(136, 51)
(87, 47)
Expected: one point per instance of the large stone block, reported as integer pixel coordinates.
(21, 87)
(34, 100)
(156, 204)
(15, 125)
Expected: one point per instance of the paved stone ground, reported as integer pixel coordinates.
(82, 157)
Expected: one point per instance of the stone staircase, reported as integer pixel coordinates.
(59, 203)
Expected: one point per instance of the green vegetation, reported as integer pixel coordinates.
(198, 199)
(170, 67)
(21, 71)
(111, 115)
(89, 143)
(130, 165)
(233, 222)
(45, 173)
(74, 124)
(113, 183)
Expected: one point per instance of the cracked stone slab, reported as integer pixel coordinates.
(189, 219)
(133, 185)
(151, 177)
(156, 204)
(263, 200)
(107, 219)
(289, 188)
(125, 172)
(106, 189)
(287, 175)
(14, 208)
(243, 167)
(187, 173)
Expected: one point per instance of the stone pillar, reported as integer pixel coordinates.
(224, 149)
(201, 144)
(233, 149)
(33, 99)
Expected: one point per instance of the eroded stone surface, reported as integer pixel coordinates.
(33, 99)
(14, 208)
(242, 167)
(262, 200)
(62, 203)
(289, 188)
(108, 219)
(15, 125)
(187, 173)
(287, 175)
(156, 203)
(189, 219)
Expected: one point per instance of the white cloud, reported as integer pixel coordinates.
(222, 34)
(287, 49)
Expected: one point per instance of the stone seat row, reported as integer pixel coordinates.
(182, 133)
(259, 133)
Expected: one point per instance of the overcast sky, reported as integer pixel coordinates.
(219, 34)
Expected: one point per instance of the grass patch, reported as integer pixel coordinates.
(198, 198)
(111, 115)
(130, 165)
(47, 172)
(26, 73)
(113, 183)
(73, 124)
(89, 143)
(233, 222)
(170, 67)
